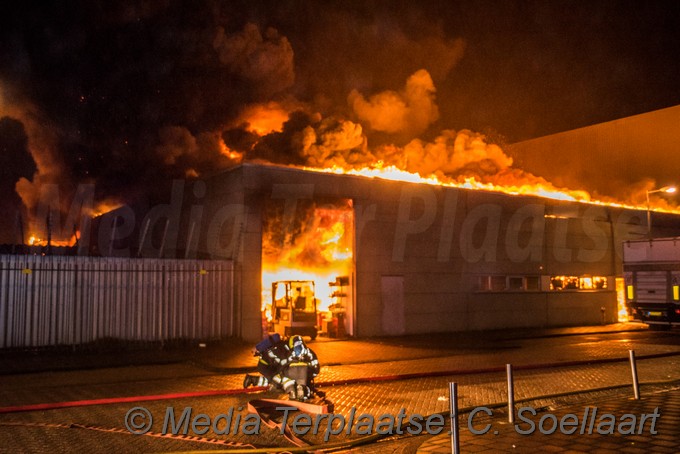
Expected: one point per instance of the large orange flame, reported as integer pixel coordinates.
(540, 188)
(106, 206)
(318, 248)
(34, 240)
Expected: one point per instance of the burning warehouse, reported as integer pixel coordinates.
(432, 236)
(456, 244)
(393, 257)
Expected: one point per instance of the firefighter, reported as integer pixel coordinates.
(279, 360)
(300, 353)
(274, 356)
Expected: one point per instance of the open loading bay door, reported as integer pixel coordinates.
(307, 268)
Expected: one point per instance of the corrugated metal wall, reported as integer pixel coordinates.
(75, 300)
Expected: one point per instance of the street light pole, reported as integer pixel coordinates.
(649, 219)
(667, 190)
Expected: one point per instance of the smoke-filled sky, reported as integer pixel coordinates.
(129, 94)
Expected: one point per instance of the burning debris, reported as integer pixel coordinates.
(313, 244)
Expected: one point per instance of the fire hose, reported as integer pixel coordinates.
(323, 384)
(263, 406)
(213, 441)
(315, 402)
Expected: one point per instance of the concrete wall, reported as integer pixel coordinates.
(441, 240)
(436, 242)
(610, 158)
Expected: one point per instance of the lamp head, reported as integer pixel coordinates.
(666, 189)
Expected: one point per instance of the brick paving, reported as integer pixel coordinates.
(426, 395)
(23, 389)
(661, 437)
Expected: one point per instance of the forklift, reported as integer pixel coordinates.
(294, 308)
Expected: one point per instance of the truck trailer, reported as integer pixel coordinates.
(651, 270)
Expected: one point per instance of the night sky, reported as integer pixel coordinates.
(130, 94)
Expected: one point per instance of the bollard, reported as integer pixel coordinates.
(453, 400)
(511, 395)
(633, 369)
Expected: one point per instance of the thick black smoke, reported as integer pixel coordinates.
(128, 95)
(132, 94)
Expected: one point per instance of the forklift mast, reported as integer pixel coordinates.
(294, 308)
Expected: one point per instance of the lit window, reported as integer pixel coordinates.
(599, 282)
(586, 283)
(556, 283)
(563, 283)
(571, 283)
(578, 283)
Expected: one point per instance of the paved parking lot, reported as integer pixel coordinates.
(362, 377)
(659, 435)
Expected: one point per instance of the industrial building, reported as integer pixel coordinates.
(416, 258)
(386, 257)
(612, 156)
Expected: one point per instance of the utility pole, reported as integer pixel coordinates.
(49, 235)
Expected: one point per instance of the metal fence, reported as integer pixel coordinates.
(50, 300)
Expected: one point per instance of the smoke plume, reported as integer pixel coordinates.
(410, 112)
(266, 61)
(128, 96)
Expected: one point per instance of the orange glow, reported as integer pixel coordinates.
(321, 279)
(539, 188)
(317, 249)
(621, 300)
(231, 154)
(106, 206)
(263, 119)
(33, 240)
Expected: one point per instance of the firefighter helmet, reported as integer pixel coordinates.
(297, 346)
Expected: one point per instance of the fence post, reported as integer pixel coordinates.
(633, 369)
(165, 234)
(113, 235)
(511, 395)
(453, 400)
(142, 238)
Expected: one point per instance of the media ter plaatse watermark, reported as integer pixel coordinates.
(590, 422)
(518, 232)
(139, 420)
